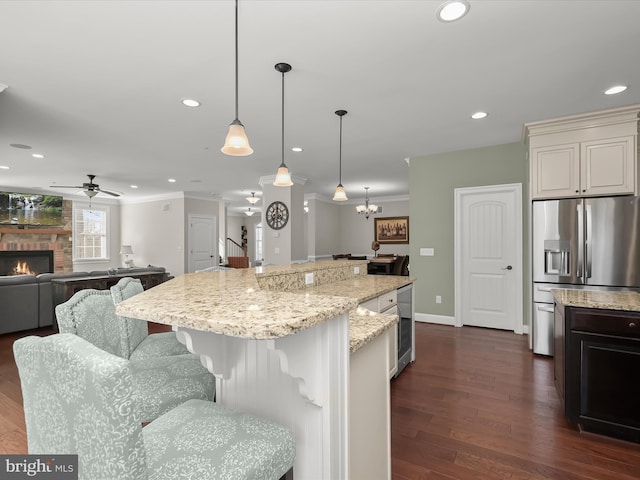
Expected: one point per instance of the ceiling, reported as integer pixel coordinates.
(96, 86)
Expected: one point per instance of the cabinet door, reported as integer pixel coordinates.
(608, 166)
(555, 171)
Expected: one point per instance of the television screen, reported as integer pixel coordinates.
(30, 209)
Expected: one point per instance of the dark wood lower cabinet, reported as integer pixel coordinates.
(64, 288)
(602, 371)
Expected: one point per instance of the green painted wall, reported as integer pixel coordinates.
(432, 181)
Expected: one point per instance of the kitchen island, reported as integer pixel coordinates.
(597, 359)
(284, 352)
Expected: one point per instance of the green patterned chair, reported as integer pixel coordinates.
(161, 381)
(134, 339)
(79, 399)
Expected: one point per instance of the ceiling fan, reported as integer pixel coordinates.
(90, 189)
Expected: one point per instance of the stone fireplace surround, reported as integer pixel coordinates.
(57, 239)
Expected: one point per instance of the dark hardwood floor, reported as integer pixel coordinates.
(476, 405)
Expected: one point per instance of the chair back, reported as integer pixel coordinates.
(91, 314)
(78, 399)
(133, 331)
(400, 266)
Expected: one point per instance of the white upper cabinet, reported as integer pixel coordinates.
(584, 155)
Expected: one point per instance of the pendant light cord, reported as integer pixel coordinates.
(282, 118)
(340, 172)
(236, 60)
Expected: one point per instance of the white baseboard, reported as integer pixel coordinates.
(446, 320)
(439, 319)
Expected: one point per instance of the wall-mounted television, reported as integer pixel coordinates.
(30, 209)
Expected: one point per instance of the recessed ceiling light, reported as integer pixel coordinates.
(616, 89)
(133, 186)
(20, 145)
(190, 102)
(452, 10)
(296, 149)
(172, 180)
(37, 155)
(4, 167)
(479, 115)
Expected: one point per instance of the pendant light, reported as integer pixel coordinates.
(236, 143)
(283, 179)
(340, 195)
(252, 199)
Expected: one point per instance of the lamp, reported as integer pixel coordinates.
(236, 143)
(126, 250)
(252, 199)
(340, 195)
(283, 178)
(367, 209)
(249, 212)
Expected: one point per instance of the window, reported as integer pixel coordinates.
(258, 256)
(90, 228)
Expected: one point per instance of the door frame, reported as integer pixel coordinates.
(460, 193)
(214, 220)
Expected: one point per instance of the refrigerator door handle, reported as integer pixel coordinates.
(587, 239)
(545, 309)
(580, 241)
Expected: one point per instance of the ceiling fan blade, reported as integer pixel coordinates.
(66, 186)
(113, 194)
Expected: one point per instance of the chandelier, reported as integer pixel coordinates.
(367, 209)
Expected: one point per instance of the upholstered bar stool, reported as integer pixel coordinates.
(163, 377)
(79, 399)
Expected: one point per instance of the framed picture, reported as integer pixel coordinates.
(391, 230)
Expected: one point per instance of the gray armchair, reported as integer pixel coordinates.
(79, 399)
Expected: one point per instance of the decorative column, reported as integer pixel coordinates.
(284, 240)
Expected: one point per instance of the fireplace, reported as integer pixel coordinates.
(19, 262)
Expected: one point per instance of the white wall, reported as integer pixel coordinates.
(155, 230)
(323, 229)
(205, 207)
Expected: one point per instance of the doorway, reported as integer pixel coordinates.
(488, 257)
(202, 242)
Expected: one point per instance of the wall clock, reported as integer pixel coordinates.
(277, 215)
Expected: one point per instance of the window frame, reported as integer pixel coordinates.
(76, 232)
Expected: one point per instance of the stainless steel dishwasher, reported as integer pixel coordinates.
(405, 327)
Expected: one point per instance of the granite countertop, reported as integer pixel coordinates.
(361, 288)
(233, 303)
(628, 301)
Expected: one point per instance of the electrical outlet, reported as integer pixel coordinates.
(427, 252)
(356, 270)
(308, 278)
(438, 299)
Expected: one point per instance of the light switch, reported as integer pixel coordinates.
(276, 250)
(427, 252)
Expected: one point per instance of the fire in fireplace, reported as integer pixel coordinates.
(23, 262)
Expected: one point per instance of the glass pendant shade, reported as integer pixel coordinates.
(249, 212)
(253, 199)
(283, 178)
(236, 143)
(340, 195)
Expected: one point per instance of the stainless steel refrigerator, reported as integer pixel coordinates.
(588, 243)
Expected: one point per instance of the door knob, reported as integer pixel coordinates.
(508, 267)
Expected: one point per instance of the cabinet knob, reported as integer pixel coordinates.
(632, 324)
(577, 191)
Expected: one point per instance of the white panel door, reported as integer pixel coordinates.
(202, 242)
(489, 257)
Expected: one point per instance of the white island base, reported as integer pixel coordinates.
(304, 382)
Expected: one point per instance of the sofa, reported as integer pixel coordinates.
(27, 301)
